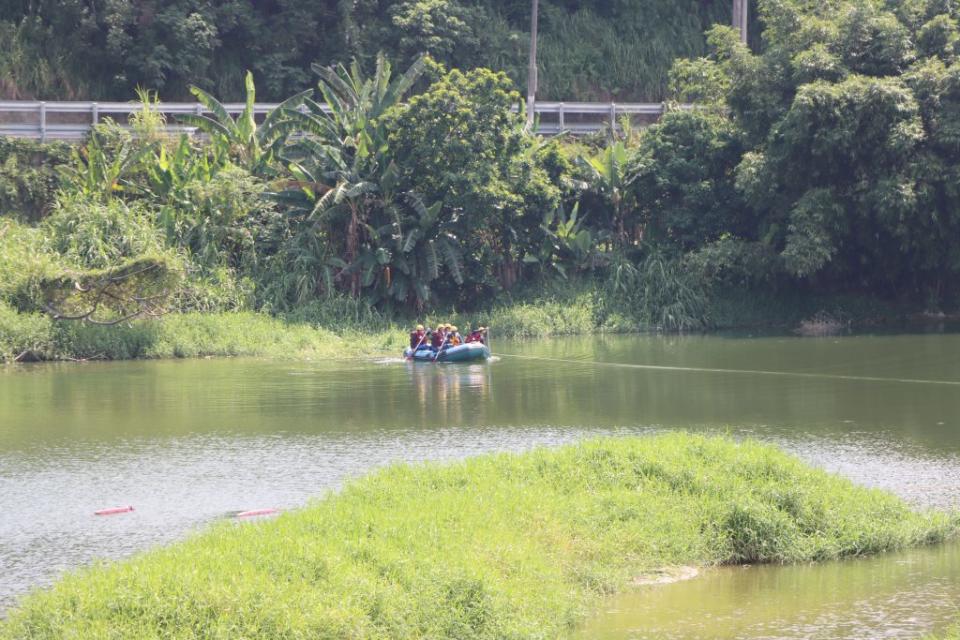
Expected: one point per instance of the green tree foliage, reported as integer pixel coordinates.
(848, 121)
(462, 143)
(681, 180)
(102, 49)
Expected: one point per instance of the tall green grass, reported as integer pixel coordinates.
(335, 328)
(500, 546)
(28, 337)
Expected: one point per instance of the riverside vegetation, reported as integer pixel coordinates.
(502, 545)
(816, 175)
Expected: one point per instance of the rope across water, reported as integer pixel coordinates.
(787, 374)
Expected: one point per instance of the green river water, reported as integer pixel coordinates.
(190, 442)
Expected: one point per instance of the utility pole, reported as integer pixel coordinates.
(532, 71)
(741, 18)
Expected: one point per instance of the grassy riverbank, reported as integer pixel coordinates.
(341, 328)
(35, 337)
(499, 546)
(346, 329)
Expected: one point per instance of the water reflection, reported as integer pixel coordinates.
(188, 442)
(904, 595)
(440, 389)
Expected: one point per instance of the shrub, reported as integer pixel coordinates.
(732, 262)
(29, 177)
(25, 262)
(93, 234)
(24, 337)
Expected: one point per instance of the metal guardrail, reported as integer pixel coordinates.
(73, 120)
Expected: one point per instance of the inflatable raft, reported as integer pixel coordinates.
(470, 352)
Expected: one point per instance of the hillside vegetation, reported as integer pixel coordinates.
(103, 50)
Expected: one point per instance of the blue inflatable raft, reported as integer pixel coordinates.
(470, 352)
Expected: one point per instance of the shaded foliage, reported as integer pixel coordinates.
(847, 126)
(100, 49)
(29, 176)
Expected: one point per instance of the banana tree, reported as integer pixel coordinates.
(606, 175)
(254, 145)
(393, 246)
(345, 182)
(102, 173)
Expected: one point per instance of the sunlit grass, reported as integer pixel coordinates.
(299, 335)
(499, 546)
(193, 335)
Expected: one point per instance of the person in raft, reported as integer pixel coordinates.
(437, 338)
(445, 332)
(478, 335)
(455, 339)
(417, 337)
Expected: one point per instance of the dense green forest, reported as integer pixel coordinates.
(825, 163)
(103, 49)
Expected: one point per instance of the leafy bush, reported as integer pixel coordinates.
(732, 262)
(24, 336)
(25, 262)
(680, 180)
(114, 262)
(93, 234)
(29, 176)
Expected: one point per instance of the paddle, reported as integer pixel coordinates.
(443, 346)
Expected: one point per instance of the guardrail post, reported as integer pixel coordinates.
(562, 121)
(613, 119)
(96, 113)
(43, 121)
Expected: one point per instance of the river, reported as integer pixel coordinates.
(190, 442)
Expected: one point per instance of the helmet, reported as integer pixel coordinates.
(419, 327)
(448, 326)
(453, 329)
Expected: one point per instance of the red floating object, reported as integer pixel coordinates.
(257, 512)
(112, 511)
